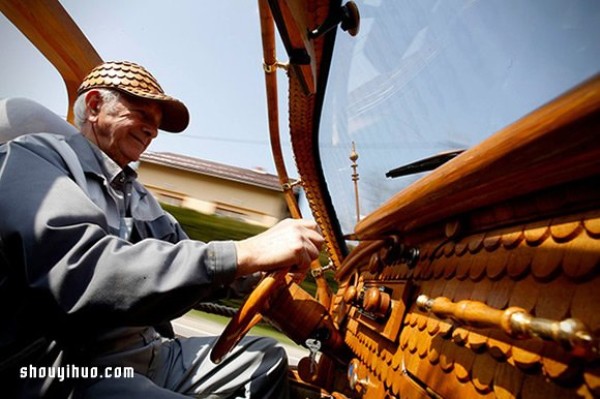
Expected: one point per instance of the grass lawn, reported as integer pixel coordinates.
(261, 330)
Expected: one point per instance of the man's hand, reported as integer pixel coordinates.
(290, 242)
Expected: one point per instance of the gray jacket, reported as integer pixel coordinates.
(67, 269)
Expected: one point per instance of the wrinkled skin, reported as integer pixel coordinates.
(123, 128)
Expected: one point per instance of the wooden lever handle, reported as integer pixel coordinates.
(472, 313)
(515, 322)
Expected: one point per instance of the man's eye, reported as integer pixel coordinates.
(139, 114)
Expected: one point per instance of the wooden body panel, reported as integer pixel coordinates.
(503, 226)
(549, 268)
(511, 223)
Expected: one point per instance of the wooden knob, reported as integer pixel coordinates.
(372, 299)
(350, 294)
(375, 264)
(376, 301)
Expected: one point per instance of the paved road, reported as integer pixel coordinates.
(194, 326)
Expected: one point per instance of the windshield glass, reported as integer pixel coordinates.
(427, 77)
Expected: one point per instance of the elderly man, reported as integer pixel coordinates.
(90, 263)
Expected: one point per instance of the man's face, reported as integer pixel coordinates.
(126, 127)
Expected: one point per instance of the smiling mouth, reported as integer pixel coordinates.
(142, 142)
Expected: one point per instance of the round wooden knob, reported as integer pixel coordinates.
(375, 264)
(350, 294)
(372, 299)
(376, 301)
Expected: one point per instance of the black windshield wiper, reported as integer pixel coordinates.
(424, 165)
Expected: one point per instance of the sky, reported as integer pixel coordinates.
(207, 54)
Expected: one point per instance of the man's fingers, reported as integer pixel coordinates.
(312, 232)
(311, 251)
(292, 241)
(314, 236)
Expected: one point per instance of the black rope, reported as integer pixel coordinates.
(222, 310)
(214, 308)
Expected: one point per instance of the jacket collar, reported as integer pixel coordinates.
(95, 161)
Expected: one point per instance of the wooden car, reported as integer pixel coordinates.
(480, 276)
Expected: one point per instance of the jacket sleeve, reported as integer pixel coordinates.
(59, 240)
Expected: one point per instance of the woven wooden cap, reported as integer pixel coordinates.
(135, 80)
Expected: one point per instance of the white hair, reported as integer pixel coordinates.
(80, 110)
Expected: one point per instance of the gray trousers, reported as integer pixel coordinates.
(177, 368)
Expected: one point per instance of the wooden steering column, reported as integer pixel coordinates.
(248, 315)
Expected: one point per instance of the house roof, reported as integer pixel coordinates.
(201, 166)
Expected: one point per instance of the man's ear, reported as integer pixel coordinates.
(93, 102)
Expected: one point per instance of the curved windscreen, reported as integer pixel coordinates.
(425, 77)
